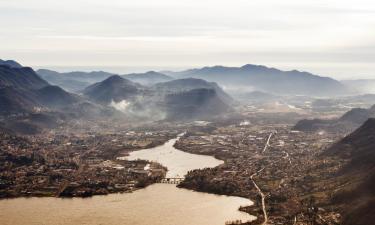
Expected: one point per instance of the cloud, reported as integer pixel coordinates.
(122, 106)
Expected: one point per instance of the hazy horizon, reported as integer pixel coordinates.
(142, 69)
(325, 37)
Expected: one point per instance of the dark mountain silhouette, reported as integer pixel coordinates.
(199, 103)
(148, 78)
(32, 123)
(114, 88)
(10, 63)
(20, 78)
(183, 85)
(14, 101)
(357, 196)
(270, 80)
(23, 91)
(73, 81)
(54, 96)
(347, 122)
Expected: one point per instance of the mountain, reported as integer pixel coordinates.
(358, 115)
(77, 81)
(357, 197)
(18, 88)
(20, 78)
(202, 103)
(260, 78)
(14, 101)
(73, 81)
(10, 63)
(114, 88)
(347, 122)
(32, 123)
(193, 98)
(29, 104)
(188, 84)
(149, 78)
(23, 91)
(358, 146)
(54, 96)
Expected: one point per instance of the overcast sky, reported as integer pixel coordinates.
(328, 37)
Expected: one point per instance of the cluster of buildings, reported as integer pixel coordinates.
(283, 163)
(56, 164)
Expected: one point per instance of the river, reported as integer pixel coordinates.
(158, 204)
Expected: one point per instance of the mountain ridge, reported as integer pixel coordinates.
(267, 79)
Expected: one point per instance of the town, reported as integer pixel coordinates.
(268, 162)
(83, 164)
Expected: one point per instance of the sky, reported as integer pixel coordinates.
(328, 37)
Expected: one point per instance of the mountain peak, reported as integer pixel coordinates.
(114, 78)
(10, 63)
(113, 88)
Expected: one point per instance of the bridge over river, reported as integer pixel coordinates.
(171, 180)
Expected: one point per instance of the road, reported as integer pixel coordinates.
(267, 143)
(263, 196)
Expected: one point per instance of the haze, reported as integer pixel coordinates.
(329, 37)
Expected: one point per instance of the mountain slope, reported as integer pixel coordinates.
(357, 197)
(13, 101)
(347, 122)
(54, 96)
(22, 90)
(10, 63)
(21, 78)
(270, 80)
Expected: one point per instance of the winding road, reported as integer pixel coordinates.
(263, 196)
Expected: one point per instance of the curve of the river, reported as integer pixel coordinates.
(158, 204)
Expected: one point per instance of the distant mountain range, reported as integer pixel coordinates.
(77, 81)
(261, 78)
(73, 81)
(150, 96)
(235, 80)
(185, 94)
(357, 195)
(347, 122)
